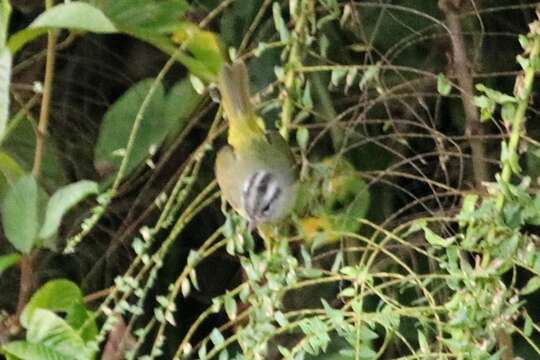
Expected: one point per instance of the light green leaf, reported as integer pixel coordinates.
(371, 75)
(50, 330)
(6, 261)
(9, 168)
(55, 295)
(507, 112)
(21, 38)
(66, 297)
(20, 214)
(5, 80)
(279, 23)
(118, 123)
(497, 96)
(444, 86)
(216, 337)
(437, 240)
(62, 201)
(71, 15)
(75, 15)
(25, 350)
(532, 285)
(302, 137)
(5, 13)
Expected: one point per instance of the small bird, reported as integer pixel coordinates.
(256, 171)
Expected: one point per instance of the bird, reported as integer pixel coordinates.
(256, 171)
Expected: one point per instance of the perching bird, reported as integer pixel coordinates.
(256, 173)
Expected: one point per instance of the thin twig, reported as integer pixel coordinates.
(463, 71)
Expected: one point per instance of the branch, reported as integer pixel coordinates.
(463, 71)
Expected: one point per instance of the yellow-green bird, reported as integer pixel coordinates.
(256, 171)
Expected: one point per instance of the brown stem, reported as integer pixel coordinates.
(45, 104)
(463, 71)
(26, 281)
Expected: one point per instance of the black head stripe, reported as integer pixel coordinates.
(260, 191)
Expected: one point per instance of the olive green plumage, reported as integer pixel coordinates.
(256, 172)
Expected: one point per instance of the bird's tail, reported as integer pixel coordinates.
(234, 89)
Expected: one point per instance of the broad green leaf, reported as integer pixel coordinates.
(5, 13)
(62, 201)
(181, 102)
(55, 295)
(62, 296)
(118, 123)
(21, 145)
(149, 16)
(20, 214)
(75, 15)
(25, 350)
(22, 37)
(5, 80)
(50, 330)
(79, 318)
(9, 168)
(203, 44)
(6, 261)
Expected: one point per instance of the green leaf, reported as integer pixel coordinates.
(507, 112)
(5, 81)
(20, 214)
(424, 347)
(181, 102)
(50, 330)
(21, 145)
(66, 297)
(55, 295)
(118, 123)
(75, 15)
(216, 337)
(25, 350)
(5, 13)
(337, 74)
(9, 168)
(7, 261)
(495, 95)
(532, 285)
(81, 319)
(444, 86)
(150, 16)
(302, 137)
(371, 75)
(437, 240)
(62, 201)
(202, 44)
(21, 38)
(279, 23)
